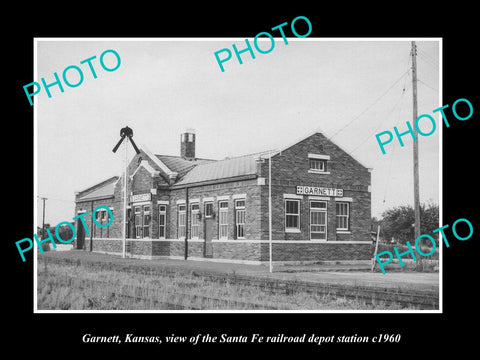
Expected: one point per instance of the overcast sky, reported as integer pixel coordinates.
(348, 90)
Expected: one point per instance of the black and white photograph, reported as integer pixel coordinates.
(260, 187)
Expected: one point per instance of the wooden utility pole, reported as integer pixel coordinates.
(186, 224)
(125, 134)
(125, 199)
(43, 215)
(416, 187)
(270, 210)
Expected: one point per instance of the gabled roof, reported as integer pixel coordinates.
(229, 168)
(197, 171)
(147, 167)
(158, 162)
(102, 190)
(179, 164)
(266, 155)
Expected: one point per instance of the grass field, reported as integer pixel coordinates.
(78, 285)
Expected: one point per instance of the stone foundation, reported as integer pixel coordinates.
(249, 251)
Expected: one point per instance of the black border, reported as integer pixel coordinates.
(421, 333)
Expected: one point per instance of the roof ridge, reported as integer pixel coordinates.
(245, 155)
(181, 157)
(100, 183)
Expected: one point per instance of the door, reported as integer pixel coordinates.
(80, 235)
(318, 220)
(209, 229)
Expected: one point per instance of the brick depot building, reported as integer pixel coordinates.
(321, 206)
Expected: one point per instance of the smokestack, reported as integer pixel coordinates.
(187, 144)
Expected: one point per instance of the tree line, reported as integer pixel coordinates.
(397, 223)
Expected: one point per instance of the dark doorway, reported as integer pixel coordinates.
(209, 229)
(80, 235)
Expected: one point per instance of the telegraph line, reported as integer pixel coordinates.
(426, 57)
(407, 64)
(370, 106)
(384, 119)
(424, 83)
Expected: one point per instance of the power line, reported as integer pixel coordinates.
(370, 106)
(426, 56)
(384, 119)
(426, 60)
(424, 83)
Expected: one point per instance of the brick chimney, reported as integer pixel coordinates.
(187, 144)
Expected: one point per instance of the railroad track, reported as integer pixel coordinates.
(189, 301)
(419, 299)
(422, 300)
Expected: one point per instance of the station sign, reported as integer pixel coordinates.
(321, 191)
(141, 197)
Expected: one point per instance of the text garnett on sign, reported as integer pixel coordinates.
(314, 190)
(141, 197)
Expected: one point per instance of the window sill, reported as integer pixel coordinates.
(344, 232)
(295, 231)
(318, 172)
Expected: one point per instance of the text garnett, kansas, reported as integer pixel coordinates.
(128, 338)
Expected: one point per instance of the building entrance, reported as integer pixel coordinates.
(209, 229)
(80, 242)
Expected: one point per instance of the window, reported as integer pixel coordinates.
(318, 165)
(208, 209)
(318, 220)
(143, 220)
(103, 217)
(162, 212)
(195, 222)
(343, 215)
(292, 214)
(181, 221)
(240, 203)
(100, 216)
(128, 223)
(138, 222)
(147, 219)
(318, 205)
(240, 219)
(223, 219)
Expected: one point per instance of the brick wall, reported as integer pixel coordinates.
(161, 248)
(110, 231)
(195, 248)
(292, 251)
(103, 245)
(290, 168)
(252, 208)
(317, 251)
(133, 247)
(237, 250)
